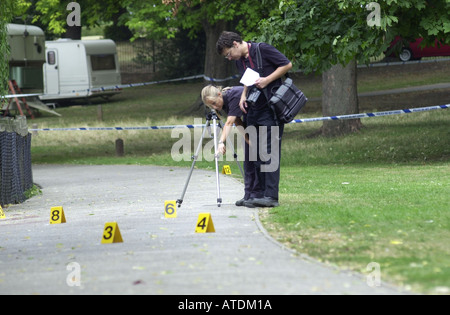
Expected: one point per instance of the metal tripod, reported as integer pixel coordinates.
(211, 116)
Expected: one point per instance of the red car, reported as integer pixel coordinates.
(415, 52)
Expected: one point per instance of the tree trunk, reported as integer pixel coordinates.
(216, 66)
(340, 97)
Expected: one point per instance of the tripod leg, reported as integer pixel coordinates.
(195, 158)
(216, 156)
(238, 164)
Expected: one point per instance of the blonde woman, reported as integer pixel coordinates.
(220, 99)
(228, 100)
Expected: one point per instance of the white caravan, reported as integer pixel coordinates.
(80, 69)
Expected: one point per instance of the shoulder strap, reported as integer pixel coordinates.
(259, 58)
(259, 66)
(260, 70)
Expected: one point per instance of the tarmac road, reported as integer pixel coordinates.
(158, 255)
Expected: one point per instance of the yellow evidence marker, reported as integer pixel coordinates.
(226, 170)
(170, 209)
(2, 214)
(111, 234)
(204, 224)
(57, 215)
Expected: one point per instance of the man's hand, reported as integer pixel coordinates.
(243, 104)
(262, 83)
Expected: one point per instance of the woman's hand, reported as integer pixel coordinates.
(222, 148)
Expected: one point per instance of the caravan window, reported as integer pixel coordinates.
(51, 58)
(103, 62)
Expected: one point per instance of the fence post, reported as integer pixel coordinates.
(99, 113)
(119, 148)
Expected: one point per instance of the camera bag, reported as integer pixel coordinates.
(288, 100)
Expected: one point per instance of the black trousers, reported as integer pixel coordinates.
(263, 155)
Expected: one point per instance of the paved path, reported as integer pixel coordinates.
(158, 255)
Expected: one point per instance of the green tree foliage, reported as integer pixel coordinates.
(7, 9)
(52, 14)
(163, 18)
(330, 37)
(318, 34)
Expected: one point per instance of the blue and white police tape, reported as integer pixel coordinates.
(296, 121)
(119, 128)
(132, 85)
(376, 114)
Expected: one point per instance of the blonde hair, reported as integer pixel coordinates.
(211, 92)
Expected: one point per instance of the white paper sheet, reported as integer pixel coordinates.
(249, 78)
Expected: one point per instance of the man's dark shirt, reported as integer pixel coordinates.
(272, 59)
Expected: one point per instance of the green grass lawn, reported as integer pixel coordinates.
(380, 195)
(396, 216)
